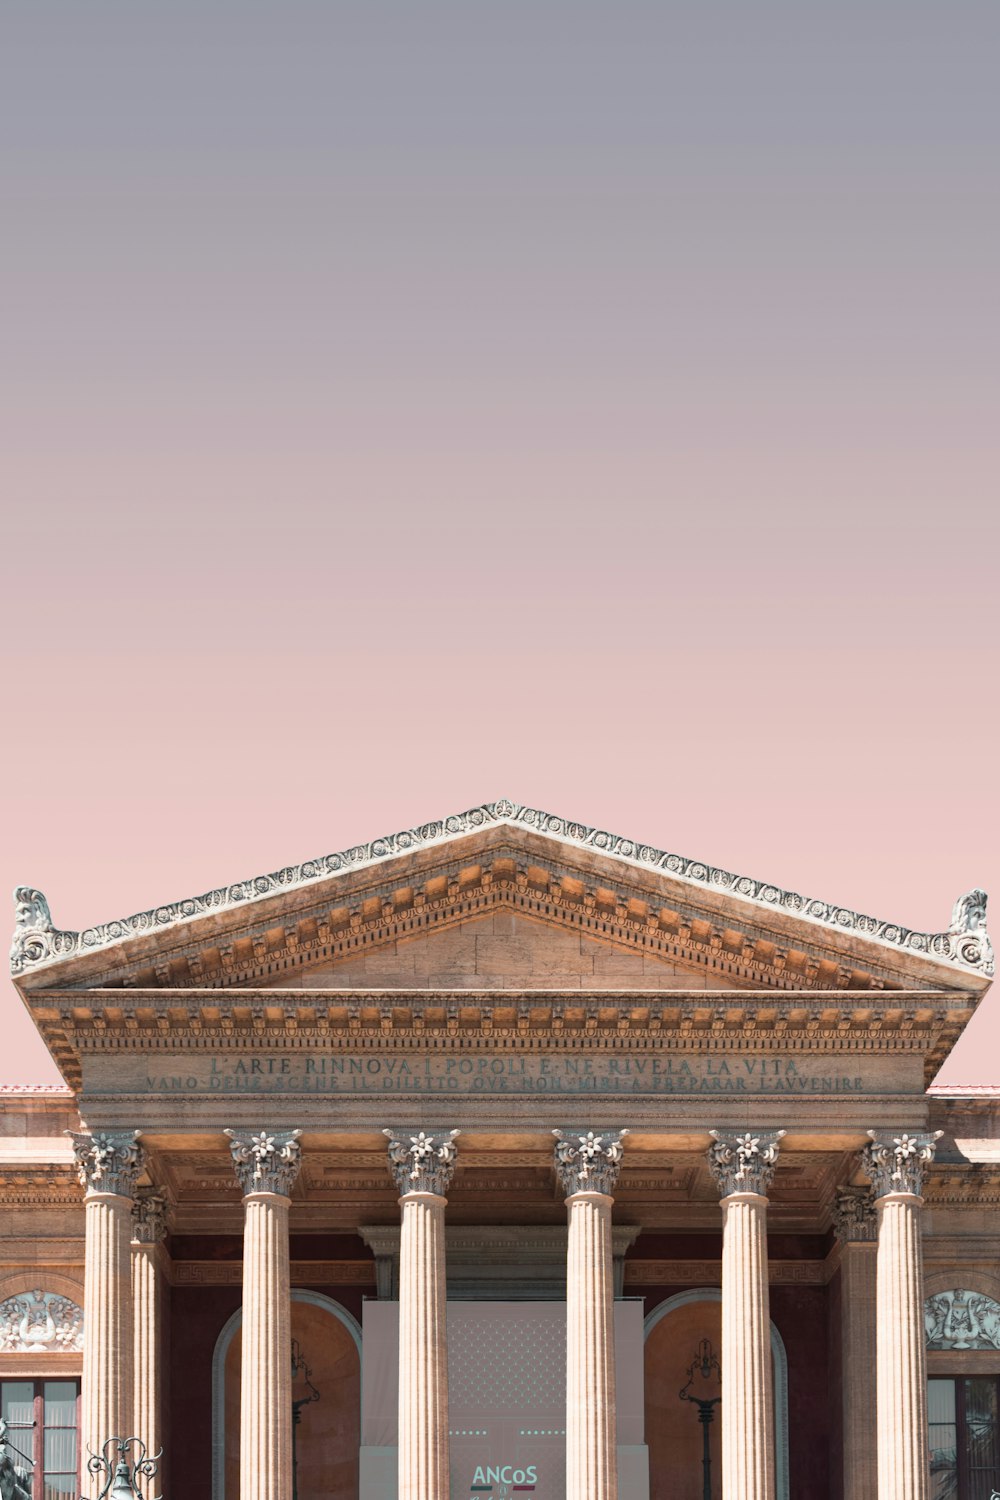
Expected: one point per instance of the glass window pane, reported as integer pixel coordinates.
(60, 1449)
(941, 1420)
(19, 1403)
(59, 1486)
(981, 1433)
(60, 1403)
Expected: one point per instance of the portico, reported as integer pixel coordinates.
(498, 1063)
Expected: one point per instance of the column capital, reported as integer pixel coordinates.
(743, 1163)
(895, 1163)
(149, 1217)
(854, 1217)
(108, 1161)
(266, 1162)
(588, 1161)
(422, 1163)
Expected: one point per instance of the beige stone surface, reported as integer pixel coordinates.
(591, 1426)
(106, 1397)
(901, 1357)
(858, 1356)
(423, 1350)
(149, 1362)
(266, 1387)
(747, 1411)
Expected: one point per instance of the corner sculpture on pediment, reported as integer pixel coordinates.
(109, 1161)
(267, 1161)
(743, 1163)
(37, 941)
(896, 1163)
(588, 1161)
(424, 1162)
(855, 1220)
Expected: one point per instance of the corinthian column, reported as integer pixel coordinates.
(267, 1165)
(109, 1163)
(149, 1229)
(855, 1221)
(422, 1167)
(743, 1167)
(587, 1165)
(895, 1166)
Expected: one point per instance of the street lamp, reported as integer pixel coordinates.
(705, 1369)
(303, 1393)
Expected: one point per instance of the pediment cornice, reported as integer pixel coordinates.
(509, 851)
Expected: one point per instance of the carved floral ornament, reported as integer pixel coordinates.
(422, 1163)
(267, 1161)
(896, 1163)
(961, 1319)
(588, 1161)
(109, 1161)
(38, 1320)
(743, 1163)
(854, 1216)
(149, 1218)
(37, 941)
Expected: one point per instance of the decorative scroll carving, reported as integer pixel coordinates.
(149, 1218)
(36, 941)
(267, 1162)
(895, 1163)
(854, 1216)
(422, 1163)
(40, 1320)
(588, 1161)
(743, 1163)
(962, 1320)
(109, 1161)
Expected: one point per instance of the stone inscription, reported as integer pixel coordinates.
(484, 1073)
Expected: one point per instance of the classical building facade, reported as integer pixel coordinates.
(500, 1157)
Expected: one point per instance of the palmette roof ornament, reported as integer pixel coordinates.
(109, 1161)
(588, 1161)
(37, 941)
(743, 1163)
(266, 1161)
(423, 1162)
(896, 1163)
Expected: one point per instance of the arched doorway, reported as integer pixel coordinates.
(329, 1432)
(673, 1331)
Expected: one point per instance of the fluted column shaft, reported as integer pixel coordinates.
(901, 1363)
(856, 1224)
(266, 1165)
(149, 1227)
(591, 1426)
(747, 1400)
(423, 1350)
(422, 1167)
(895, 1166)
(106, 1395)
(743, 1167)
(587, 1164)
(108, 1164)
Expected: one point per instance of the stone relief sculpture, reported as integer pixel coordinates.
(961, 1319)
(36, 940)
(40, 1320)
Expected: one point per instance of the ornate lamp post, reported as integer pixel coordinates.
(705, 1369)
(303, 1393)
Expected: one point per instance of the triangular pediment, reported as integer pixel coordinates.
(318, 916)
(504, 950)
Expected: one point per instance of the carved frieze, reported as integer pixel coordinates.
(109, 1161)
(266, 1161)
(40, 1322)
(743, 1163)
(423, 1162)
(961, 1319)
(896, 1163)
(588, 1161)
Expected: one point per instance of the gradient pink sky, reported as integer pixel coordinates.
(592, 405)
